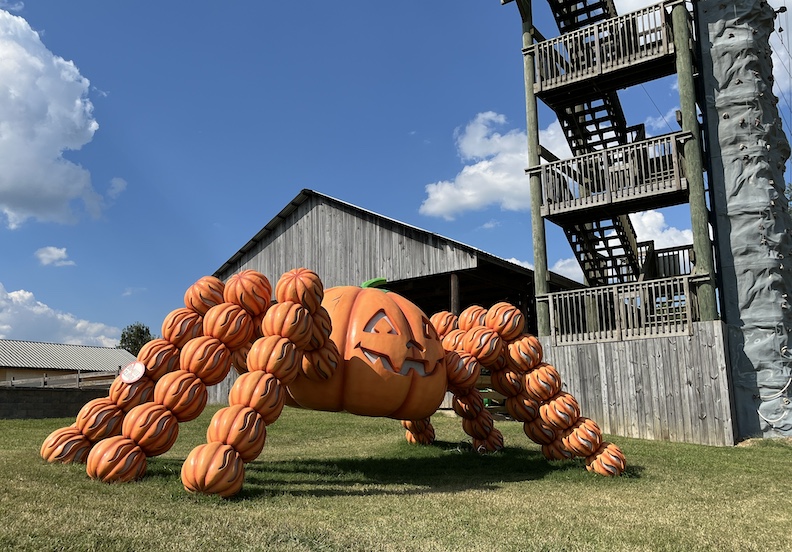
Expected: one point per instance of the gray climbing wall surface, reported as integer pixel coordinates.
(753, 229)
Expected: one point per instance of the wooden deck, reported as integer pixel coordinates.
(654, 308)
(610, 55)
(615, 181)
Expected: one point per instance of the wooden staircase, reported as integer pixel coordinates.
(606, 249)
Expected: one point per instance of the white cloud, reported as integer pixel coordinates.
(117, 186)
(663, 124)
(569, 268)
(11, 6)
(651, 225)
(54, 256)
(23, 317)
(44, 111)
(524, 264)
(495, 169)
(490, 224)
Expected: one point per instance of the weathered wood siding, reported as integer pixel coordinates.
(347, 247)
(669, 388)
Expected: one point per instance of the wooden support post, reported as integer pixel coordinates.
(455, 306)
(541, 281)
(694, 169)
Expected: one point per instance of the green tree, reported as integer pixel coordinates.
(134, 336)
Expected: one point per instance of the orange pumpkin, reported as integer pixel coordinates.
(506, 319)
(99, 419)
(452, 341)
(522, 407)
(204, 294)
(160, 356)
(560, 411)
(213, 468)
(492, 443)
(543, 382)
(152, 427)
(290, 320)
(260, 391)
(117, 459)
(302, 286)
(479, 427)
(525, 353)
(241, 427)
(275, 355)
(229, 323)
(463, 370)
(321, 363)
(392, 360)
(250, 290)
(471, 317)
(583, 438)
(183, 393)
(321, 327)
(66, 445)
(468, 406)
(483, 343)
(539, 432)
(506, 382)
(608, 460)
(181, 325)
(128, 395)
(444, 322)
(207, 358)
(555, 450)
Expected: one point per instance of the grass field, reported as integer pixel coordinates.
(339, 482)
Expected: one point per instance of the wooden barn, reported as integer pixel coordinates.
(347, 245)
(38, 364)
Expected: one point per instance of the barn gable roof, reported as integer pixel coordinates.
(306, 194)
(57, 356)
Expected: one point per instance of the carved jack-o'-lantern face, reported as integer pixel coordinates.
(393, 340)
(393, 362)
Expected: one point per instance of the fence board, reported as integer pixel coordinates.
(671, 388)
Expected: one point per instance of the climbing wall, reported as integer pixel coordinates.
(748, 151)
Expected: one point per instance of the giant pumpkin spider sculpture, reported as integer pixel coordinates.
(357, 349)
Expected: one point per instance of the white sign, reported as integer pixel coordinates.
(133, 372)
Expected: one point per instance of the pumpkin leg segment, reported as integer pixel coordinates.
(419, 432)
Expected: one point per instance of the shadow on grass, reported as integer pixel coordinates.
(442, 468)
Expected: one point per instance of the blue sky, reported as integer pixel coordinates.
(143, 144)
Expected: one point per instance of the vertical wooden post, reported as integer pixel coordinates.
(455, 307)
(541, 283)
(694, 169)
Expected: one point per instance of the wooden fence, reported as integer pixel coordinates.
(673, 388)
(90, 380)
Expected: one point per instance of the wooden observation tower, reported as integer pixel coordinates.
(644, 338)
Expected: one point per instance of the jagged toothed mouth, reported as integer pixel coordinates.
(406, 366)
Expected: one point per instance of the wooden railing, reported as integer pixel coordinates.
(610, 45)
(642, 169)
(627, 311)
(70, 381)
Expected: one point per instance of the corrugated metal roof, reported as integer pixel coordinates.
(57, 356)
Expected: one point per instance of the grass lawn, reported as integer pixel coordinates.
(339, 482)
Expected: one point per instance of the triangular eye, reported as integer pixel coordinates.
(380, 324)
(428, 330)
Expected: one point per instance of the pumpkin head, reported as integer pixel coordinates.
(392, 360)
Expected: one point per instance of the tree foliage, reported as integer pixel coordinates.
(134, 336)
